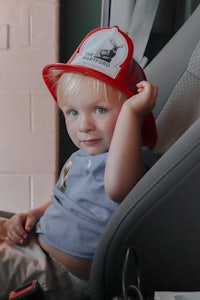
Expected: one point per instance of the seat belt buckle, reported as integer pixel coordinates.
(31, 290)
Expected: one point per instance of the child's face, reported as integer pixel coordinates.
(90, 119)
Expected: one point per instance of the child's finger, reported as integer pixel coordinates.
(15, 237)
(30, 223)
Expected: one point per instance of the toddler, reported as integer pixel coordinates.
(107, 104)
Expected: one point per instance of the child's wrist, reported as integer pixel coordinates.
(134, 109)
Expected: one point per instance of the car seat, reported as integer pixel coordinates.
(152, 242)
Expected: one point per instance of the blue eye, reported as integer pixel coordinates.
(73, 113)
(100, 110)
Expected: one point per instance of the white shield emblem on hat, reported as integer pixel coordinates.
(104, 50)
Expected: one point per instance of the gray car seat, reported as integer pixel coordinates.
(153, 239)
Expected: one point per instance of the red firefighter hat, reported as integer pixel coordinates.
(106, 54)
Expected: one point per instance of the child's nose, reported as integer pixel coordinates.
(86, 124)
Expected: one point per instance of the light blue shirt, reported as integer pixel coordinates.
(80, 207)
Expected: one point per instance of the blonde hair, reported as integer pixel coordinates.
(70, 84)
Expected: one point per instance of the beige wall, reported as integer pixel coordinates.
(28, 115)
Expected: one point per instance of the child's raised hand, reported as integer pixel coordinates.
(143, 102)
(19, 227)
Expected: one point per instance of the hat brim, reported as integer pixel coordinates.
(51, 78)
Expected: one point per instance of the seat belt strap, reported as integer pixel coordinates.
(140, 27)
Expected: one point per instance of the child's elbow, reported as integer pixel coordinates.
(115, 193)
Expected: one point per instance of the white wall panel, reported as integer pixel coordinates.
(28, 115)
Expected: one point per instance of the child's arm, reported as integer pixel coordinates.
(20, 225)
(124, 166)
